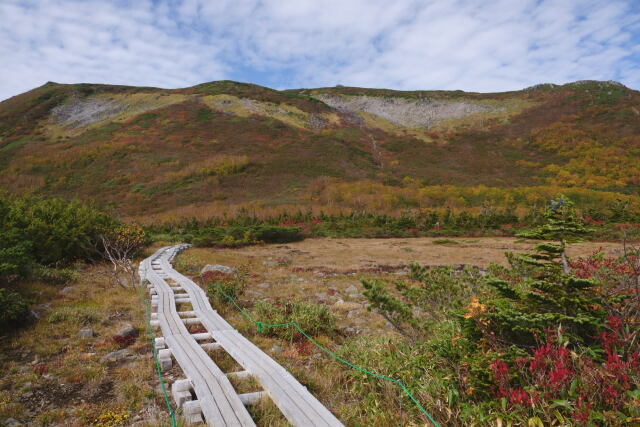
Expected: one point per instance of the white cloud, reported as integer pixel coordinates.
(446, 44)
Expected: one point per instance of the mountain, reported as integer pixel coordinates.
(224, 144)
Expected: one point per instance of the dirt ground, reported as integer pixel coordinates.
(363, 253)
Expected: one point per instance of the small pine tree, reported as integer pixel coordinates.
(541, 293)
(563, 224)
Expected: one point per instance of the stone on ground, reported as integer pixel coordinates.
(217, 268)
(86, 333)
(116, 356)
(127, 331)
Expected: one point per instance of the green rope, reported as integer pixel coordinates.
(261, 327)
(172, 415)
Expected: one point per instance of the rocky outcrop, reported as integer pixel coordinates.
(405, 111)
(81, 112)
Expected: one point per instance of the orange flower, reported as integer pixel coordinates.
(474, 308)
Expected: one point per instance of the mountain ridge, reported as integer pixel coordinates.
(227, 143)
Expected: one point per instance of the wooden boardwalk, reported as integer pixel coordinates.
(207, 393)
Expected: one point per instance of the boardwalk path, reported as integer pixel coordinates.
(207, 393)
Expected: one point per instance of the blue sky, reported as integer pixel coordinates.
(404, 44)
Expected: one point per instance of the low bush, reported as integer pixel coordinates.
(41, 238)
(56, 276)
(431, 295)
(314, 319)
(220, 286)
(77, 315)
(241, 236)
(53, 233)
(544, 341)
(13, 309)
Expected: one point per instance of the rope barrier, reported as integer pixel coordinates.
(260, 326)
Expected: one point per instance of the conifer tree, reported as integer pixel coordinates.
(562, 224)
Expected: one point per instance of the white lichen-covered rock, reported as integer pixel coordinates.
(406, 112)
(217, 268)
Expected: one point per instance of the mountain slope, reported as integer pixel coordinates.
(226, 143)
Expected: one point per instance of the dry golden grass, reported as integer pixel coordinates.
(346, 254)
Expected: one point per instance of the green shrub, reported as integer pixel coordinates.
(432, 294)
(57, 276)
(13, 309)
(77, 315)
(48, 232)
(216, 291)
(276, 234)
(314, 319)
(237, 236)
(445, 242)
(15, 260)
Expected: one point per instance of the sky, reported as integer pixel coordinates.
(471, 45)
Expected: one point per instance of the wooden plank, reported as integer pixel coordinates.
(218, 400)
(298, 405)
(220, 404)
(254, 362)
(208, 379)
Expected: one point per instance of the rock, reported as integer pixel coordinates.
(254, 293)
(264, 285)
(404, 112)
(116, 356)
(276, 349)
(66, 290)
(86, 333)
(217, 268)
(355, 296)
(346, 306)
(127, 331)
(12, 422)
(351, 290)
(354, 313)
(32, 316)
(321, 296)
(270, 263)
